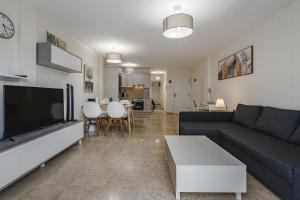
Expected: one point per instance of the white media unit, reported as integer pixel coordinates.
(34, 149)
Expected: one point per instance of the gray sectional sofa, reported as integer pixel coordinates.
(266, 139)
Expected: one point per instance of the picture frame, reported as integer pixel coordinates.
(237, 64)
(88, 81)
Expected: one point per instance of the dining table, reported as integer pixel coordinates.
(129, 110)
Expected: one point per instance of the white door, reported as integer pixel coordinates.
(178, 94)
(181, 94)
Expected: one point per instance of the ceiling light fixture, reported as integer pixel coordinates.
(157, 72)
(129, 65)
(114, 58)
(179, 25)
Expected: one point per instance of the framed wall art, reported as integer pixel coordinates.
(238, 64)
(88, 83)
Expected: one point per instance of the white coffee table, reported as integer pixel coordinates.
(197, 164)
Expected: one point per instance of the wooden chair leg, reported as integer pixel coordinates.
(98, 126)
(88, 128)
(121, 124)
(125, 122)
(109, 124)
(86, 132)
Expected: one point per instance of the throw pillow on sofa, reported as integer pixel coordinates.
(295, 138)
(247, 115)
(277, 122)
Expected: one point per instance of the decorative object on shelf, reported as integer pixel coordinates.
(238, 64)
(220, 105)
(61, 44)
(179, 25)
(115, 58)
(88, 79)
(51, 38)
(7, 29)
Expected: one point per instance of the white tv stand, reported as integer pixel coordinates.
(33, 149)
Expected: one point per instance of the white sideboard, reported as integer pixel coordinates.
(19, 160)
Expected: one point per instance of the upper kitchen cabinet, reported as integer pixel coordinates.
(51, 56)
(135, 79)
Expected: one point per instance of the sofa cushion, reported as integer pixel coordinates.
(280, 123)
(247, 115)
(277, 155)
(203, 128)
(295, 138)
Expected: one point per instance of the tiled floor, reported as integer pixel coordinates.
(116, 168)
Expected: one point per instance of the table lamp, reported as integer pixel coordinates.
(220, 104)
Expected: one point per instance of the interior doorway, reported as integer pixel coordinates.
(156, 95)
(178, 94)
(157, 91)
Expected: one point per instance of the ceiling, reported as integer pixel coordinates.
(134, 27)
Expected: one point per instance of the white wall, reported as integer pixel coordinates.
(199, 88)
(275, 81)
(47, 77)
(111, 79)
(18, 55)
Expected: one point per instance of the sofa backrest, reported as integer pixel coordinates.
(280, 123)
(247, 115)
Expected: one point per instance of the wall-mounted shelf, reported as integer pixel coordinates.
(7, 77)
(51, 56)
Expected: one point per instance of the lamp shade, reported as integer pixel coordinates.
(178, 25)
(115, 58)
(220, 103)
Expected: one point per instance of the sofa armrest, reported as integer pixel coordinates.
(205, 116)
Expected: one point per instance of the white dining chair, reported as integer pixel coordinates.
(104, 101)
(116, 113)
(91, 112)
(125, 102)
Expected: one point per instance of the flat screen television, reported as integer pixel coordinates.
(30, 108)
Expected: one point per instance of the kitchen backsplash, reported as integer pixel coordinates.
(136, 92)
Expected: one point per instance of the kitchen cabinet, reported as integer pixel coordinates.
(135, 79)
(51, 56)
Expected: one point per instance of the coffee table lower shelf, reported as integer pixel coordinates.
(204, 178)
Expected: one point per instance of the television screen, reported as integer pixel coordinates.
(30, 108)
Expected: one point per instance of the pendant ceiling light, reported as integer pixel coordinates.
(114, 58)
(179, 25)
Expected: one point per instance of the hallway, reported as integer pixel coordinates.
(116, 168)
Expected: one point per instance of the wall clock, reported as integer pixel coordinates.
(7, 29)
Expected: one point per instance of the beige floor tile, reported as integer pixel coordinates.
(114, 167)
